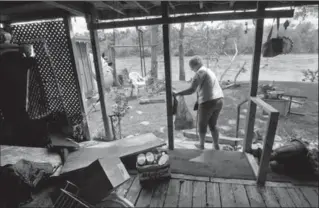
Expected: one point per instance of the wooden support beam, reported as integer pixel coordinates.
(251, 114)
(62, 5)
(267, 148)
(141, 7)
(91, 18)
(75, 67)
(168, 75)
(101, 4)
(154, 39)
(196, 18)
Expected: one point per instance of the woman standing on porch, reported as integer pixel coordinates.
(209, 97)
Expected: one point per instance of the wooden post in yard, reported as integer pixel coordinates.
(78, 81)
(168, 76)
(250, 119)
(99, 72)
(154, 42)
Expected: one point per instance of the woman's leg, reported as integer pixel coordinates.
(213, 122)
(204, 113)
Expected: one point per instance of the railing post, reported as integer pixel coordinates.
(268, 144)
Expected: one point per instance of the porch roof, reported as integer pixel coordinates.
(17, 11)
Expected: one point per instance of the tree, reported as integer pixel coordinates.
(181, 53)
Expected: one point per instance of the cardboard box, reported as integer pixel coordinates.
(100, 178)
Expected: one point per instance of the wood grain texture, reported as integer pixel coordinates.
(134, 191)
(213, 195)
(311, 196)
(186, 194)
(144, 199)
(159, 194)
(123, 189)
(254, 196)
(283, 197)
(240, 195)
(172, 193)
(269, 197)
(297, 197)
(199, 194)
(226, 195)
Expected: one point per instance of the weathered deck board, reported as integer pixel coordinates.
(254, 196)
(283, 197)
(199, 194)
(227, 196)
(172, 194)
(240, 195)
(310, 195)
(159, 194)
(213, 195)
(144, 199)
(186, 194)
(123, 189)
(269, 197)
(298, 198)
(134, 191)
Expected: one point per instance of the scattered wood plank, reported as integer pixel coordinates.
(119, 148)
(227, 195)
(253, 163)
(186, 194)
(189, 177)
(123, 189)
(144, 200)
(254, 196)
(234, 181)
(134, 191)
(240, 195)
(297, 197)
(172, 194)
(310, 195)
(159, 193)
(213, 195)
(283, 197)
(269, 196)
(199, 194)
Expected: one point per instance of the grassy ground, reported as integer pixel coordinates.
(280, 68)
(285, 70)
(290, 126)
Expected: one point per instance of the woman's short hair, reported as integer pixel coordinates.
(195, 61)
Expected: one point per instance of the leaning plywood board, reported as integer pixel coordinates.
(119, 148)
(12, 154)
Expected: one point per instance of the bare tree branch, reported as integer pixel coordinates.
(231, 62)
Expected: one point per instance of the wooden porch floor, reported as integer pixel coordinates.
(191, 191)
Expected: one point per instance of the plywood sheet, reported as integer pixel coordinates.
(12, 154)
(119, 148)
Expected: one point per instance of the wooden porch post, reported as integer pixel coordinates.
(154, 50)
(73, 53)
(250, 120)
(168, 76)
(99, 72)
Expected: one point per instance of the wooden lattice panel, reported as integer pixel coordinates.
(54, 64)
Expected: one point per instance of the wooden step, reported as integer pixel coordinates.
(232, 141)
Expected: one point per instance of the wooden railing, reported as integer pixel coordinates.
(261, 171)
